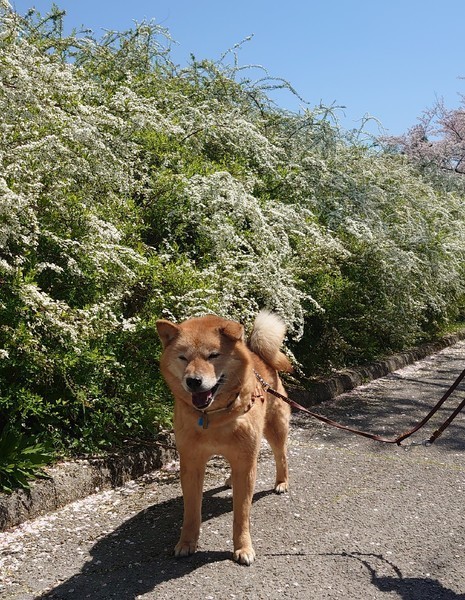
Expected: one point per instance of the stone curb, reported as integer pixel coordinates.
(74, 480)
(318, 391)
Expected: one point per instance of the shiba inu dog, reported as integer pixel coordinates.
(220, 409)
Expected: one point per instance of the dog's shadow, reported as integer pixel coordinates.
(138, 555)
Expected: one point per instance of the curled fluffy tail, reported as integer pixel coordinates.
(266, 338)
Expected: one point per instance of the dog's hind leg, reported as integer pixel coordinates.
(228, 482)
(276, 432)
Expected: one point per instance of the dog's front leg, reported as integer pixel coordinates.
(192, 476)
(243, 483)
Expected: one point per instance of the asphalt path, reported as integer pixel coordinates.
(362, 520)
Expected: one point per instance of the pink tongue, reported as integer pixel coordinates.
(201, 399)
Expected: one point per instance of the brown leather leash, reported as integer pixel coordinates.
(397, 440)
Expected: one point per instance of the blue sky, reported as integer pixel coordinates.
(390, 59)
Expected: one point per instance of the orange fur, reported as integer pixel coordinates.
(209, 367)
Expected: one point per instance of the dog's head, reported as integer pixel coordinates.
(203, 358)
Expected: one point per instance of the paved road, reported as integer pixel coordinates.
(363, 520)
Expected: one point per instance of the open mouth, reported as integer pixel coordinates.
(203, 400)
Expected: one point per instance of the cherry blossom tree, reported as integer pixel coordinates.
(437, 140)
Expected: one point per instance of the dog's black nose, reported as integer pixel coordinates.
(193, 383)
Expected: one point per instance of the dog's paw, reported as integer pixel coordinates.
(184, 548)
(244, 556)
(281, 487)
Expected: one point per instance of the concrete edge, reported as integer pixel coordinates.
(318, 391)
(77, 479)
(74, 480)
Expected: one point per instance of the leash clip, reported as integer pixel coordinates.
(425, 443)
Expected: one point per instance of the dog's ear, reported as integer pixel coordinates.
(232, 330)
(167, 331)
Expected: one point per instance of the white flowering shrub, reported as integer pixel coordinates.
(68, 240)
(402, 278)
(131, 189)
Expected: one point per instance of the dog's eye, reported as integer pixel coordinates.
(213, 355)
(183, 358)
